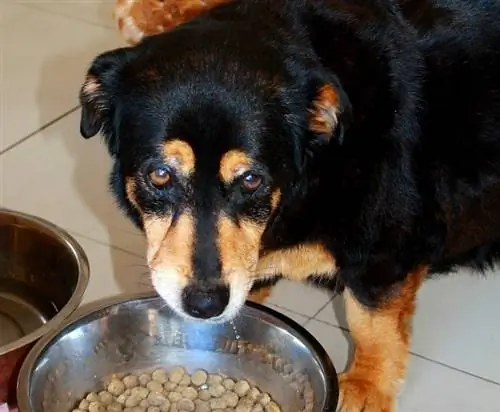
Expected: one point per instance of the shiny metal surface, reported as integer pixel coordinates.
(43, 275)
(135, 333)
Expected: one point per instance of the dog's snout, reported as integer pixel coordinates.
(205, 301)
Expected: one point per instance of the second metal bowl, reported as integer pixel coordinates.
(43, 275)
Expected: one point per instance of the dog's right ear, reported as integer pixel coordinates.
(98, 92)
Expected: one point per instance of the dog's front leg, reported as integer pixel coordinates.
(381, 338)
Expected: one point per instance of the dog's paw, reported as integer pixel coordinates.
(360, 395)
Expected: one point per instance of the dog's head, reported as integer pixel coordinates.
(210, 135)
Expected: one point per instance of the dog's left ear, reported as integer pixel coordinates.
(330, 112)
(97, 92)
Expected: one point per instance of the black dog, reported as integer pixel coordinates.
(347, 140)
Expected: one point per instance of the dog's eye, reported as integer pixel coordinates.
(159, 177)
(251, 182)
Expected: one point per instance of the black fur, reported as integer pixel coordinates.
(412, 176)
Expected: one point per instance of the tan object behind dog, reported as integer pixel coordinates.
(139, 18)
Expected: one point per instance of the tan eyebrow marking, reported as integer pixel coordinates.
(233, 163)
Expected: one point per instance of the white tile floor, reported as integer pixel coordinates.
(48, 170)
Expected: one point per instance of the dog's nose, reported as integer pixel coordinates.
(205, 301)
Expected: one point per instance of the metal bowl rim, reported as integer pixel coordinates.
(42, 345)
(81, 284)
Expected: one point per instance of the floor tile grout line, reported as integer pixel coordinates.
(323, 307)
(99, 242)
(33, 6)
(417, 355)
(455, 369)
(45, 126)
(308, 317)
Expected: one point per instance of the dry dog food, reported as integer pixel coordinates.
(177, 391)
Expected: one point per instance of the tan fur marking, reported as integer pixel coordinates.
(179, 155)
(324, 114)
(156, 230)
(233, 164)
(261, 295)
(275, 199)
(91, 86)
(130, 192)
(171, 245)
(238, 245)
(297, 263)
(381, 339)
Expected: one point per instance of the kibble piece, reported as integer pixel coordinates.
(185, 405)
(153, 409)
(96, 407)
(272, 407)
(140, 391)
(228, 384)
(133, 400)
(115, 407)
(144, 403)
(254, 394)
(199, 377)
(214, 379)
(170, 386)
(165, 406)
(155, 386)
(230, 398)
(174, 408)
(92, 397)
(144, 379)
(84, 405)
(189, 393)
(218, 403)
(138, 409)
(160, 375)
(130, 381)
(186, 380)
(216, 390)
(116, 387)
(244, 406)
(155, 399)
(176, 374)
(201, 406)
(204, 395)
(174, 396)
(258, 408)
(241, 388)
(105, 398)
(81, 410)
(264, 399)
(121, 399)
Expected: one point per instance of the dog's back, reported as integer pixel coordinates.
(459, 158)
(437, 185)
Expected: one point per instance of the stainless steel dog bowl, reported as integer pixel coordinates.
(134, 333)
(43, 275)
